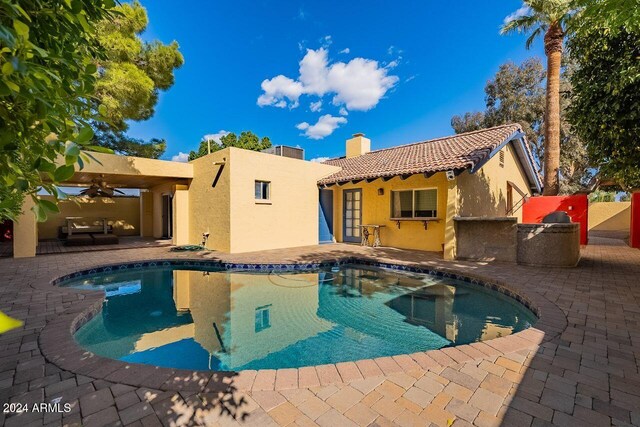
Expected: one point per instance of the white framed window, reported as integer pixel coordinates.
(263, 190)
(414, 204)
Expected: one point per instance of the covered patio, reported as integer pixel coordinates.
(157, 216)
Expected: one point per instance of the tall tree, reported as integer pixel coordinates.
(247, 140)
(516, 94)
(548, 17)
(47, 80)
(605, 110)
(131, 76)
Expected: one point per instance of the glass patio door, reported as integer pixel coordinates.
(352, 215)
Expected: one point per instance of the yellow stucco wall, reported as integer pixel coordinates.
(484, 193)
(610, 216)
(146, 214)
(127, 165)
(123, 213)
(235, 221)
(210, 207)
(25, 232)
(376, 209)
(290, 217)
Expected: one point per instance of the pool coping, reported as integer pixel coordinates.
(60, 348)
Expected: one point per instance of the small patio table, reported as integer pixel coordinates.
(376, 234)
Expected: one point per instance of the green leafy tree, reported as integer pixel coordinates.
(602, 196)
(605, 97)
(547, 18)
(130, 79)
(516, 94)
(48, 50)
(247, 140)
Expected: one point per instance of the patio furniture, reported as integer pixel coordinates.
(79, 240)
(366, 233)
(75, 225)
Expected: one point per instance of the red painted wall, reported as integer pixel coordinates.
(577, 207)
(634, 238)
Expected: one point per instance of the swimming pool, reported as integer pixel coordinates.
(212, 318)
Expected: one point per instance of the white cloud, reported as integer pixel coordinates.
(343, 111)
(316, 106)
(345, 50)
(357, 85)
(180, 157)
(320, 159)
(393, 64)
(523, 11)
(324, 126)
(279, 88)
(215, 136)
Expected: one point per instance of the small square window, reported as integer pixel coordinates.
(263, 190)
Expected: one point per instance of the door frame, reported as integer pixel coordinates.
(325, 226)
(352, 239)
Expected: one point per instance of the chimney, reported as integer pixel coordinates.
(358, 145)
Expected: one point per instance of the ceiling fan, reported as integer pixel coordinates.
(99, 188)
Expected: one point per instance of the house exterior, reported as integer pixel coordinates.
(415, 191)
(246, 201)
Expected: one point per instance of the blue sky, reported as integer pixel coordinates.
(421, 62)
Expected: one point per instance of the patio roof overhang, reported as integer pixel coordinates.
(130, 172)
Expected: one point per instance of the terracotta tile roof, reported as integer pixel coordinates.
(456, 152)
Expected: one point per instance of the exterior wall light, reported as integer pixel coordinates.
(380, 191)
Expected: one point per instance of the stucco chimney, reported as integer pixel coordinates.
(358, 145)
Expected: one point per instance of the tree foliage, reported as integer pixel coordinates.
(48, 74)
(247, 140)
(516, 94)
(605, 98)
(548, 18)
(131, 76)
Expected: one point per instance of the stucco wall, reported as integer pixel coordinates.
(484, 193)
(610, 216)
(487, 239)
(210, 209)
(376, 209)
(235, 221)
(290, 217)
(549, 245)
(123, 213)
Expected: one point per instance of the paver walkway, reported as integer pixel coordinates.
(587, 375)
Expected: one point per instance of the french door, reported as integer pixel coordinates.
(352, 215)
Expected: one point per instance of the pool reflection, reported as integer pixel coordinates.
(237, 320)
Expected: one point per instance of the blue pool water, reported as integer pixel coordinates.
(226, 320)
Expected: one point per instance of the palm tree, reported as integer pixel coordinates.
(548, 17)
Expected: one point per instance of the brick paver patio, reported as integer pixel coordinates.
(582, 369)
